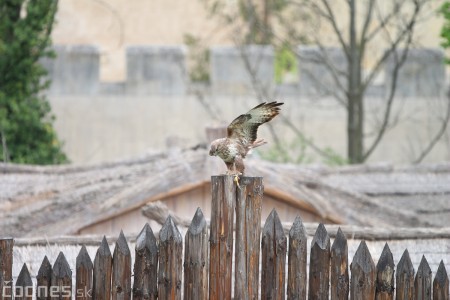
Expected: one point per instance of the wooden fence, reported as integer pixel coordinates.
(207, 264)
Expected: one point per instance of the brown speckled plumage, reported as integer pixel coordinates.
(242, 136)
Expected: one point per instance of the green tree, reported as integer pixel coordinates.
(26, 131)
(445, 32)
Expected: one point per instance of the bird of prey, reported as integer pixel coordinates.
(242, 137)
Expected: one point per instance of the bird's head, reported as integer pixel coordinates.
(213, 149)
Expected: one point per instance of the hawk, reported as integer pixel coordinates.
(242, 137)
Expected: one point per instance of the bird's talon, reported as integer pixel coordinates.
(236, 179)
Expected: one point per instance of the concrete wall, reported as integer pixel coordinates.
(155, 107)
(161, 70)
(100, 128)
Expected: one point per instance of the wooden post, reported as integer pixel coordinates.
(405, 278)
(102, 272)
(440, 283)
(6, 261)
(146, 266)
(423, 280)
(44, 280)
(248, 231)
(385, 275)
(297, 255)
(274, 246)
(319, 265)
(61, 288)
(170, 261)
(363, 274)
(196, 259)
(24, 285)
(121, 270)
(83, 280)
(339, 267)
(223, 190)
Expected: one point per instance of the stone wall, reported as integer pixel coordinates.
(161, 70)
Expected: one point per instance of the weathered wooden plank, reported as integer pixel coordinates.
(363, 274)
(121, 270)
(44, 280)
(440, 283)
(339, 267)
(248, 232)
(61, 288)
(170, 261)
(404, 279)
(319, 265)
(6, 261)
(196, 258)
(423, 281)
(146, 266)
(297, 261)
(385, 275)
(83, 280)
(102, 272)
(273, 268)
(223, 191)
(24, 285)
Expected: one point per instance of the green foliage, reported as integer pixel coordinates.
(26, 131)
(445, 31)
(285, 64)
(198, 58)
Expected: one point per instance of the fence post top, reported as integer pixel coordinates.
(424, 268)
(297, 230)
(24, 278)
(104, 250)
(61, 267)
(405, 265)
(340, 242)
(169, 230)
(198, 222)
(122, 245)
(83, 259)
(321, 238)
(146, 239)
(363, 259)
(386, 259)
(441, 274)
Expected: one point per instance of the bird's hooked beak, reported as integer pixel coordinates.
(211, 152)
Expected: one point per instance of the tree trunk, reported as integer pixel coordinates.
(355, 105)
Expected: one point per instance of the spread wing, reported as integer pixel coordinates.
(245, 127)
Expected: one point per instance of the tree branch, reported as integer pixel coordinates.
(405, 33)
(366, 25)
(338, 33)
(398, 64)
(438, 135)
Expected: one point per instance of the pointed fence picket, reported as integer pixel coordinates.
(83, 280)
(319, 265)
(145, 284)
(158, 266)
(101, 281)
(297, 261)
(24, 285)
(385, 275)
(44, 280)
(339, 267)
